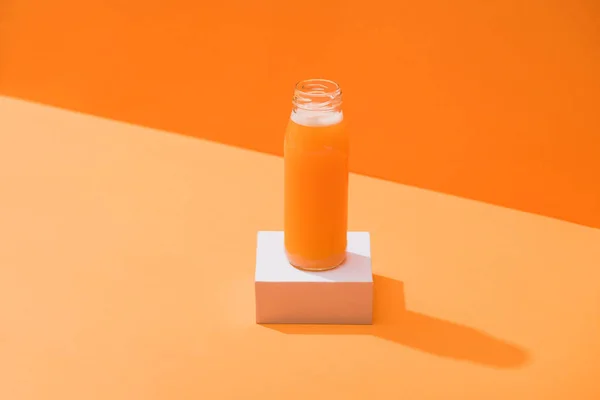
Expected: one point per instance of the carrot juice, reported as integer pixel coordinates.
(316, 178)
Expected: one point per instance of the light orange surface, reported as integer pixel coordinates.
(316, 167)
(127, 262)
(491, 100)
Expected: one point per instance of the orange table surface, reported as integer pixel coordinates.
(126, 272)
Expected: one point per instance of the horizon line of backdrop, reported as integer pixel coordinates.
(493, 101)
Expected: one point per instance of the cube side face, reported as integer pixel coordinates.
(314, 303)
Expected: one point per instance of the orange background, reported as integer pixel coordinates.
(491, 100)
(127, 253)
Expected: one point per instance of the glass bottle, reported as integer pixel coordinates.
(316, 177)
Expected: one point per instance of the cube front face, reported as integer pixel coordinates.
(314, 303)
(287, 295)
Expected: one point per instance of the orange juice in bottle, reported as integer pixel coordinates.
(316, 177)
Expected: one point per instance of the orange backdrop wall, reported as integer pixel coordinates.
(497, 101)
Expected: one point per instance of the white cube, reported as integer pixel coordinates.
(287, 295)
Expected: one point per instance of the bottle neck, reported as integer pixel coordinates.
(317, 95)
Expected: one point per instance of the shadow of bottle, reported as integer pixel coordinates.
(393, 322)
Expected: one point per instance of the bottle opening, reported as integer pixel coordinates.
(317, 102)
(317, 95)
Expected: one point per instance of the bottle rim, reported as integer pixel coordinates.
(317, 94)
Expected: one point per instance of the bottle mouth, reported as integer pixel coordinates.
(317, 95)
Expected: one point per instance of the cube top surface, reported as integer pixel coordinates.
(272, 264)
